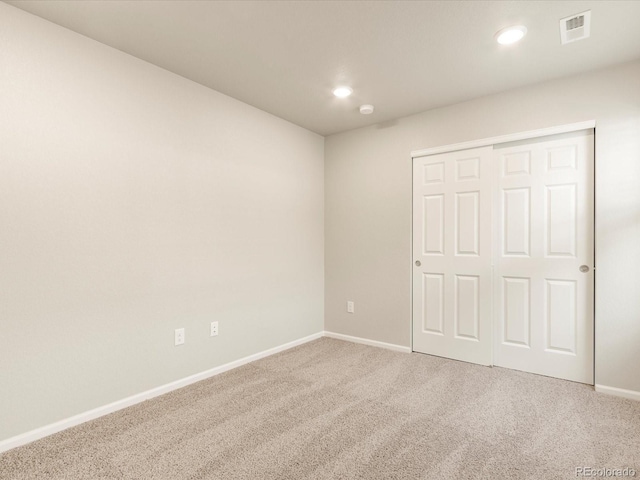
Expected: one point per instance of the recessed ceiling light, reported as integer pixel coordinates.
(342, 92)
(510, 35)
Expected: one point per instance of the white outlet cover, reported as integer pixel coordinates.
(350, 307)
(179, 336)
(214, 329)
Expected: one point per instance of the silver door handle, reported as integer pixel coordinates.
(584, 268)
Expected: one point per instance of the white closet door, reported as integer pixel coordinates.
(452, 255)
(543, 280)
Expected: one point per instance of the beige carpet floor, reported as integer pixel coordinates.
(331, 409)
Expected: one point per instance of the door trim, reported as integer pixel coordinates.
(512, 137)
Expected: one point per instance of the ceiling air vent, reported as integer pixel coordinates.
(575, 27)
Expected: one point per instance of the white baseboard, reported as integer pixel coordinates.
(56, 427)
(618, 392)
(366, 341)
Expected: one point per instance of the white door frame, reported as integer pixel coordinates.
(513, 137)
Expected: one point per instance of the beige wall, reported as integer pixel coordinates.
(134, 202)
(368, 207)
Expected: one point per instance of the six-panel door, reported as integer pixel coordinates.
(452, 245)
(543, 282)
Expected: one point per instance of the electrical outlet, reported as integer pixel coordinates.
(214, 329)
(179, 338)
(351, 308)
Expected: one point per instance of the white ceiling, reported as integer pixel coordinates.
(403, 57)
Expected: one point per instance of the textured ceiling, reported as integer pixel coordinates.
(403, 57)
